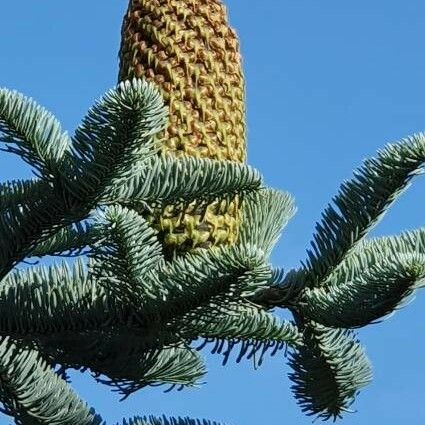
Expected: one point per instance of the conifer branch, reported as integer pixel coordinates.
(252, 331)
(19, 192)
(165, 180)
(34, 394)
(116, 354)
(97, 194)
(361, 203)
(329, 369)
(76, 239)
(378, 291)
(22, 227)
(33, 133)
(176, 366)
(130, 252)
(266, 212)
(117, 132)
(43, 300)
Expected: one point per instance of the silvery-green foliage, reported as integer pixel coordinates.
(134, 317)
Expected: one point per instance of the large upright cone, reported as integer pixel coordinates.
(189, 50)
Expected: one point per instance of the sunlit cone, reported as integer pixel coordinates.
(189, 50)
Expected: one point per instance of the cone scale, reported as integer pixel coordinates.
(189, 50)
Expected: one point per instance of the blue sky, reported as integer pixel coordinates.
(328, 83)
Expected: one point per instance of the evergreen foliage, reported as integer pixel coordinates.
(132, 315)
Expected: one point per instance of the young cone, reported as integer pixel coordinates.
(189, 50)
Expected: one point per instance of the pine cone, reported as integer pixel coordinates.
(189, 50)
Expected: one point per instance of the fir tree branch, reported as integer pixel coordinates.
(212, 279)
(265, 214)
(18, 192)
(367, 297)
(34, 393)
(122, 352)
(328, 371)
(129, 252)
(126, 359)
(43, 300)
(371, 252)
(166, 180)
(244, 322)
(24, 226)
(117, 132)
(179, 365)
(246, 327)
(106, 351)
(69, 241)
(360, 204)
(33, 133)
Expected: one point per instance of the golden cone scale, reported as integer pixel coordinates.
(188, 48)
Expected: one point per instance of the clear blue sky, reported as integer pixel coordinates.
(329, 82)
